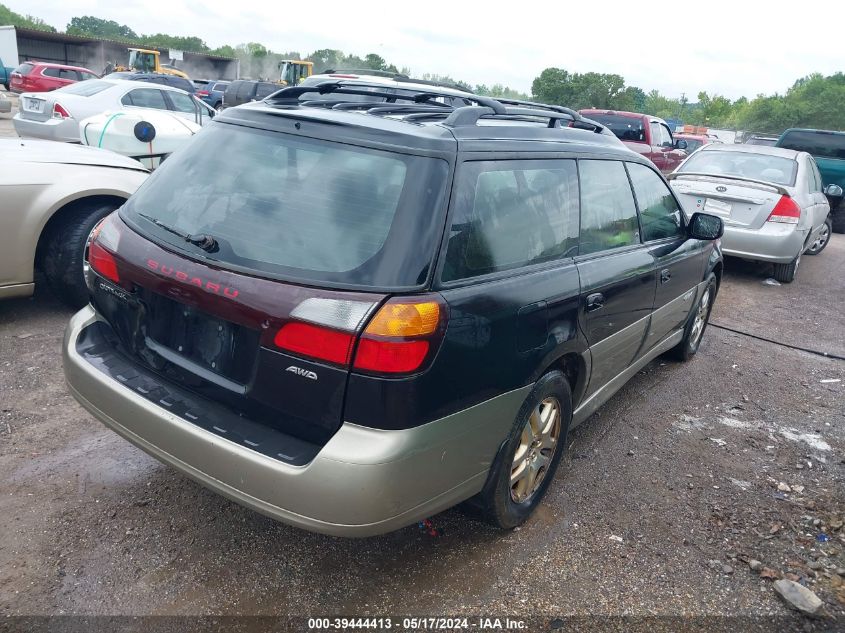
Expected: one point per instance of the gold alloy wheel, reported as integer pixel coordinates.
(700, 318)
(536, 450)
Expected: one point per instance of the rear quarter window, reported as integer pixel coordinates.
(24, 69)
(511, 214)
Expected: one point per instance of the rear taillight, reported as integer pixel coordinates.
(786, 211)
(103, 262)
(399, 339)
(202, 93)
(102, 244)
(59, 112)
(315, 341)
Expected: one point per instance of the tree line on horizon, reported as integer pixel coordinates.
(813, 101)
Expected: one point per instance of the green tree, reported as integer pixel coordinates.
(96, 27)
(9, 17)
(587, 90)
(162, 40)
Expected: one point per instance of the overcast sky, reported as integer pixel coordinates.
(733, 48)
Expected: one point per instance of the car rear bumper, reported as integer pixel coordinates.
(362, 482)
(64, 130)
(5, 106)
(775, 242)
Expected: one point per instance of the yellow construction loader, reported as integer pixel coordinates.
(291, 71)
(148, 61)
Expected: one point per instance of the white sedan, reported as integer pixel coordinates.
(55, 115)
(51, 196)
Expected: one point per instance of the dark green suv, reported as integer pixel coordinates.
(828, 148)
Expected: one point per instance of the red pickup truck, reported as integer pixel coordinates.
(645, 134)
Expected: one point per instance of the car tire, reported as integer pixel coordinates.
(838, 219)
(64, 251)
(785, 273)
(823, 239)
(506, 504)
(696, 323)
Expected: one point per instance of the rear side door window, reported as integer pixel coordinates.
(608, 211)
(145, 98)
(660, 214)
(245, 91)
(265, 90)
(511, 214)
(182, 102)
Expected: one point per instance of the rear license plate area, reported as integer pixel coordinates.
(216, 345)
(34, 105)
(717, 207)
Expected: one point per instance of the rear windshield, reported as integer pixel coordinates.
(86, 88)
(776, 169)
(692, 144)
(759, 140)
(297, 208)
(24, 69)
(624, 127)
(815, 143)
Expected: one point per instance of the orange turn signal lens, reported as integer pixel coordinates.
(405, 319)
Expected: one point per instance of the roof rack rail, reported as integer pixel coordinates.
(291, 94)
(364, 71)
(533, 104)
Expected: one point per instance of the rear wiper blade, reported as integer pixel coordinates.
(203, 240)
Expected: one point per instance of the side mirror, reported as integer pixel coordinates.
(703, 226)
(834, 191)
(681, 144)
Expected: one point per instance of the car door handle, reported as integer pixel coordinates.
(665, 275)
(595, 301)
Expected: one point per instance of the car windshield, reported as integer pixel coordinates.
(298, 208)
(624, 127)
(86, 88)
(825, 144)
(776, 169)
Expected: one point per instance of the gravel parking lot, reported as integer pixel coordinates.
(662, 500)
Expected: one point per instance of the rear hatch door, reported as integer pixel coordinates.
(213, 331)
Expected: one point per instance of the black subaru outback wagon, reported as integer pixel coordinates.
(352, 315)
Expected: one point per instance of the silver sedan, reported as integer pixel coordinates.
(55, 115)
(770, 199)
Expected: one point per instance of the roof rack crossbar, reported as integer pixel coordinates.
(431, 114)
(355, 105)
(401, 108)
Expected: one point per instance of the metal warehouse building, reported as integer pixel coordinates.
(18, 45)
